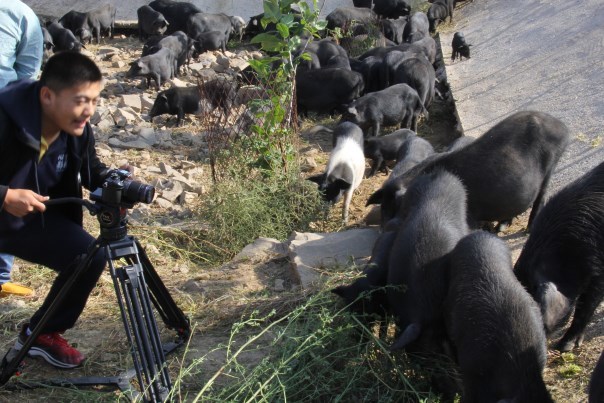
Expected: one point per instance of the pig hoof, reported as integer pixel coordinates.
(567, 345)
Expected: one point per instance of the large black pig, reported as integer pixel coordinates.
(417, 27)
(367, 295)
(389, 196)
(345, 18)
(102, 19)
(63, 38)
(158, 66)
(396, 105)
(419, 74)
(177, 101)
(150, 22)
(433, 220)
(439, 11)
(494, 324)
(176, 13)
(505, 171)
(77, 23)
(324, 90)
(562, 263)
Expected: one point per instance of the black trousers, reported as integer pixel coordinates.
(59, 245)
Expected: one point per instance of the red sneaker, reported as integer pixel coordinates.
(53, 348)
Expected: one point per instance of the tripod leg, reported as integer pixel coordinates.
(140, 325)
(13, 358)
(171, 314)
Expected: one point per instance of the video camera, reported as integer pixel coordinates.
(113, 199)
(119, 190)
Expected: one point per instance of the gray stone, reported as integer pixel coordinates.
(146, 102)
(136, 144)
(106, 122)
(238, 64)
(147, 134)
(123, 116)
(223, 60)
(308, 164)
(174, 193)
(207, 58)
(193, 287)
(178, 83)
(163, 203)
(218, 68)
(107, 52)
(309, 251)
(132, 101)
(196, 66)
(260, 248)
(205, 74)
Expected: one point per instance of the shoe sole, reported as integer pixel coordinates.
(38, 352)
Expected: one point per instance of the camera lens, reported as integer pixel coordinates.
(138, 192)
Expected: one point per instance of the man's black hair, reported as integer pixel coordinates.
(68, 69)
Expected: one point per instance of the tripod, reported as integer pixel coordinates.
(138, 287)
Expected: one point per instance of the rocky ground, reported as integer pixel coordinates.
(175, 160)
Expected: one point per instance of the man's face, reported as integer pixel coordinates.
(70, 108)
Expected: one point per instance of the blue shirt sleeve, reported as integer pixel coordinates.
(30, 48)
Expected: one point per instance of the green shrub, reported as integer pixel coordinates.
(242, 208)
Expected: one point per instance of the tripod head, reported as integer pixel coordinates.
(110, 202)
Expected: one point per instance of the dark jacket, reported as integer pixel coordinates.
(20, 133)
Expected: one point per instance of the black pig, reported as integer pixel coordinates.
(63, 38)
(177, 101)
(102, 19)
(433, 220)
(370, 287)
(324, 90)
(417, 28)
(396, 105)
(389, 196)
(384, 148)
(494, 324)
(507, 169)
(210, 40)
(158, 66)
(439, 11)
(150, 22)
(562, 263)
(460, 47)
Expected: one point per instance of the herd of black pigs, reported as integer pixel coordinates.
(450, 286)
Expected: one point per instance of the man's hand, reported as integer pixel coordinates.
(20, 202)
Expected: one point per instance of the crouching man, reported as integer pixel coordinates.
(46, 152)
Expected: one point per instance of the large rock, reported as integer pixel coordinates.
(261, 248)
(131, 100)
(311, 251)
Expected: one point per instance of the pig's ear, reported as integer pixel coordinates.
(375, 198)
(318, 179)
